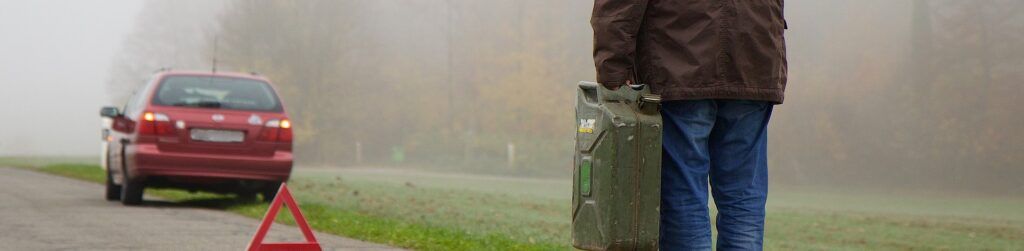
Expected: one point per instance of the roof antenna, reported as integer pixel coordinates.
(214, 53)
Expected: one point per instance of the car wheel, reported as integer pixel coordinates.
(270, 191)
(131, 191)
(113, 190)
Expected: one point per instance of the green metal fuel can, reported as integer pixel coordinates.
(617, 169)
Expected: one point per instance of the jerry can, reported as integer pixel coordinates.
(617, 168)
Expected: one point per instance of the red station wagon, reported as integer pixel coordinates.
(217, 132)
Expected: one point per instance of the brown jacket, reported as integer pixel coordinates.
(693, 49)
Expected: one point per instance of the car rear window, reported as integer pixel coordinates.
(217, 93)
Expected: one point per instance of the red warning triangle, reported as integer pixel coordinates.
(283, 196)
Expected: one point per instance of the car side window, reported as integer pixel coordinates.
(138, 99)
(129, 106)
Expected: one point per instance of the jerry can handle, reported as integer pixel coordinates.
(587, 85)
(649, 100)
(589, 92)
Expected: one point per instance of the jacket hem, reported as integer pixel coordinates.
(773, 95)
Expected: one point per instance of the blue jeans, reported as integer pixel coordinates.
(724, 142)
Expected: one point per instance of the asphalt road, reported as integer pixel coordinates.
(44, 212)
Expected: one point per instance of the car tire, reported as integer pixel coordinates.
(270, 191)
(131, 191)
(113, 190)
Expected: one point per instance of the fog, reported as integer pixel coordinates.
(883, 94)
(54, 72)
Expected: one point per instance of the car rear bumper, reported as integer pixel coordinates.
(150, 161)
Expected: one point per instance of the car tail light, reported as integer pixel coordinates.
(285, 134)
(156, 124)
(277, 130)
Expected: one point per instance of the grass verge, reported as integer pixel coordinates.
(327, 218)
(429, 211)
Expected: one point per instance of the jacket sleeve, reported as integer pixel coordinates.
(616, 24)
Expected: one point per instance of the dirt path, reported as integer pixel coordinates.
(44, 212)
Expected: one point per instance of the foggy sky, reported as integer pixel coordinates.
(54, 59)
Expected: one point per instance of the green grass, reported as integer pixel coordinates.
(429, 211)
(798, 218)
(38, 161)
(78, 171)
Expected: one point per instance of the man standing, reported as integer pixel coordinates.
(721, 66)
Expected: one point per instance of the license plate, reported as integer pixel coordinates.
(223, 136)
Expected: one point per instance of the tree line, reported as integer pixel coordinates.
(896, 94)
